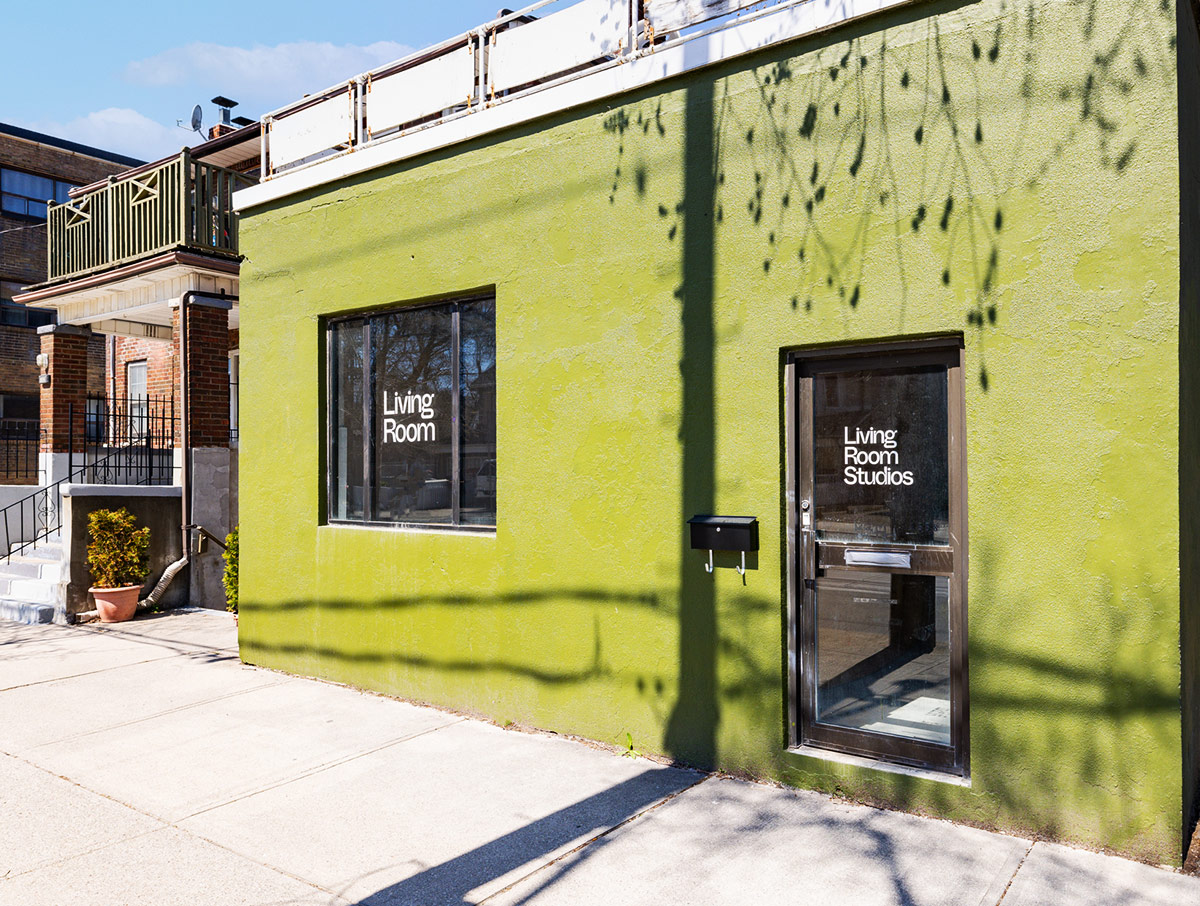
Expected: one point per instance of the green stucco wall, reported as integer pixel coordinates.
(1007, 170)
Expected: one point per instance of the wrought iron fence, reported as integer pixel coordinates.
(126, 439)
(113, 440)
(19, 439)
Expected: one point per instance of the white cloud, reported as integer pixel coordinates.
(261, 77)
(121, 130)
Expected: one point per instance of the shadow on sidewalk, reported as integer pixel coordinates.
(451, 881)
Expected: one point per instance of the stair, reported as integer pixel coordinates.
(29, 583)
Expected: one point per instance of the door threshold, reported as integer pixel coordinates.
(874, 764)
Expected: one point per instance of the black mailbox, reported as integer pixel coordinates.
(724, 533)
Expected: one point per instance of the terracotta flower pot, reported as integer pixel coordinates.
(115, 605)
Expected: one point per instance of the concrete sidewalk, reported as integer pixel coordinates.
(144, 764)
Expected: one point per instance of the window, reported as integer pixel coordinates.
(879, 618)
(412, 416)
(14, 315)
(138, 400)
(21, 406)
(234, 363)
(26, 195)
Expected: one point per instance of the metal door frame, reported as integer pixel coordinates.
(802, 730)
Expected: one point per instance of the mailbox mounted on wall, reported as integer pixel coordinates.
(724, 533)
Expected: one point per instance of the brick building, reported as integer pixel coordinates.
(143, 282)
(34, 168)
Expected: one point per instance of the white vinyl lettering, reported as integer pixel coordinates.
(873, 447)
(413, 405)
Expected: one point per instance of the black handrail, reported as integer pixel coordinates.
(39, 502)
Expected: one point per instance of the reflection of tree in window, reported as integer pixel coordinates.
(477, 375)
(431, 372)
(347, 415)
(413, 471)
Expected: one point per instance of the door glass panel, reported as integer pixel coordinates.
(881, 455)
(883, 661)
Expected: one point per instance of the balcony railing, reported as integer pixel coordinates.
(511, 57)
(182, 203)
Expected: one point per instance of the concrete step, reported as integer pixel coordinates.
(32, 568)
(34, 591)
(17, 611)
(48, 548)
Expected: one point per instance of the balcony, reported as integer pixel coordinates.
(181, 203)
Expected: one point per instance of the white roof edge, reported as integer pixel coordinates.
(791, 23)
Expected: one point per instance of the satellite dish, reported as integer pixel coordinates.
(197, 117)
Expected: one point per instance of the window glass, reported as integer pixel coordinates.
(346, 416)
(880, 455)
(477, 372)
(26, 184)
(883, 653)
(414, 431)
(424, 450)
(25, 193)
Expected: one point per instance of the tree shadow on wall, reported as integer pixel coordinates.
(901, 149)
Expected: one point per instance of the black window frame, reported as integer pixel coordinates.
(328, 380)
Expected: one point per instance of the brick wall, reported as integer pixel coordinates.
(23, 256)
(68, 349)
(23, 251)
(18, 371)
(162, 378)
(96, 357)
(208, 379)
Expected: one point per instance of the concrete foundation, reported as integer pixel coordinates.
(213, 507)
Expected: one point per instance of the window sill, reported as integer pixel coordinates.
(412, 529)
(860, 761)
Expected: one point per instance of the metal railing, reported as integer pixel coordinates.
(126, 440)
(114, 440)
(182, 203)
(19, 444)
(508, 57)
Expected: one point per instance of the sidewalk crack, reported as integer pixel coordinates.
(1003, 894)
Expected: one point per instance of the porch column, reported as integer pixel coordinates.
(205, 377)
(208, 370)
(63, 384)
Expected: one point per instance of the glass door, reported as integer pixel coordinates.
(879, 616)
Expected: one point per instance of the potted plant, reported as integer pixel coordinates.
(118, 560)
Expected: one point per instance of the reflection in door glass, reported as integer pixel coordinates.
(880, 455)
(884, 653)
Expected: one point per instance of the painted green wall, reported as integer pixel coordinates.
(1003, 169)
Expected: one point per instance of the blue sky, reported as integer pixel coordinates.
(118, 75)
